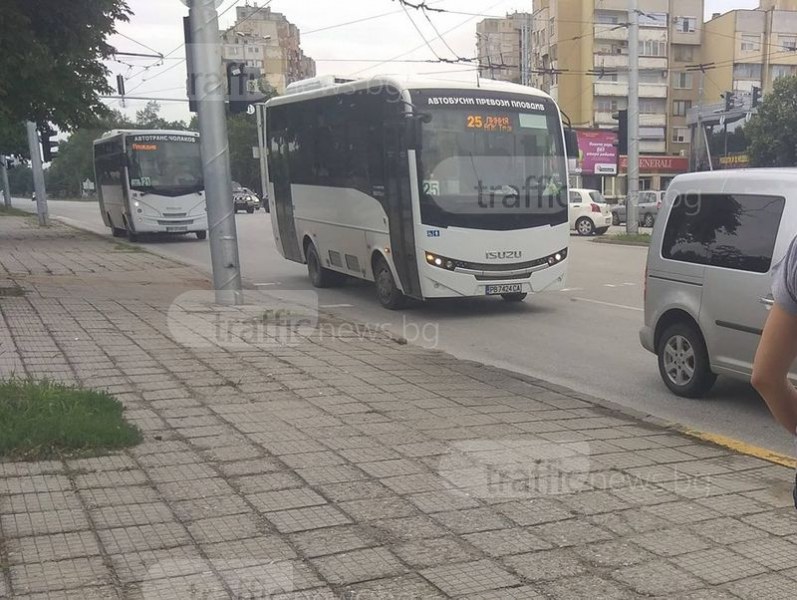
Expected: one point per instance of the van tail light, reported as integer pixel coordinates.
(595, 207)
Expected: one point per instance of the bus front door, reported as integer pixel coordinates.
(279, 169)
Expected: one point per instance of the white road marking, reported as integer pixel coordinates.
(630, 284)
(610, 285)
(572, 290)
(268, 284)
(613, 305)
(336, 306)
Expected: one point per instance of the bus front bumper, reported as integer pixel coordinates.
(441, 283)
(187, 224)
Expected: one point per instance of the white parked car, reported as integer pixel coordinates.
(589, 213)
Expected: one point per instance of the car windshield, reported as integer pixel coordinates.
(492, 168)
(165, 164)
(597, 197)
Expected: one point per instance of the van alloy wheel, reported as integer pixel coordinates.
(679, 360)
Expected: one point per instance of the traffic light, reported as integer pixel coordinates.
(756, 96)
(621, 117)
(730, 101)
(48, 144)
(243, 87)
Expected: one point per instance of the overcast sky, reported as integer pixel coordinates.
(338, 50)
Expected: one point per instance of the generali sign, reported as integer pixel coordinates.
(658, 164)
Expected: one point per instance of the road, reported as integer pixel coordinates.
(585, 337)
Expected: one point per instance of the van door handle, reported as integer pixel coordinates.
(767, 301)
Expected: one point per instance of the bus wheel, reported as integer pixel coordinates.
(386, 290)
(319, 276)
(201, 235)
(516, 297)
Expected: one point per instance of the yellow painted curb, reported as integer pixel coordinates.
(743, 447)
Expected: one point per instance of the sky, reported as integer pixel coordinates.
(344, 50)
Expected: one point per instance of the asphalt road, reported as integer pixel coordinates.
(585, 337)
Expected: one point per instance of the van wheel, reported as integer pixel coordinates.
(648, 221)
(683, 361)
(585, 226)
(319, 276)
(201, 235)
(615, 220)
(386, 289)
(250, 210)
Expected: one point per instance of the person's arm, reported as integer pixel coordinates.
(776, 353)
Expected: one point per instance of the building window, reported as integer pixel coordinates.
(652, 48)
(647, 19)
(681, 107)
(551, 27)
(747, 71)
(684, 53)
(607, 105)
(606, 18)
(685, 24)
(751, 42)
(652, 77)
(788, 42)
(682, 81)
(648, 106)
(779, 71)
(680, 135)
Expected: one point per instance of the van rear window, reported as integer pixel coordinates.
(734, 231)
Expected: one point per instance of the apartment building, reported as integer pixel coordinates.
(266, 39)
(750, 49)
(503, 48)
(580, 56)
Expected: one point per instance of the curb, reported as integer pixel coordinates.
(644, 418)
(621, 243)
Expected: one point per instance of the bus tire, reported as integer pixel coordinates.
(201, 235)
(387, 291)
(319, 276)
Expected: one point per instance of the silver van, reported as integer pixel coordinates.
(709, 272)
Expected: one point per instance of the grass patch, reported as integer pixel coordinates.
(120, 247)
(12, 212)
(41, 420)
(640, 239)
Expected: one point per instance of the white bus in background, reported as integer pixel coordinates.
(150, 181)
(432, 189)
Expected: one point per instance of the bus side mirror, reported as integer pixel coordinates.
(571, 143)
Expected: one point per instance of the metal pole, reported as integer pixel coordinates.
(699, 135)
(261, 143)
(6, 187)
(215, 151)
(38, 174)
(632, 204)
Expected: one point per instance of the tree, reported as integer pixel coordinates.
(51, 60)
(772, 132)
(149, 118)
(74, 162)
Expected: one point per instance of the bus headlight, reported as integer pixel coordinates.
(440, 261)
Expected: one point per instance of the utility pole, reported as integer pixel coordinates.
(6, 187)
(206, 54)
(38, 174)
(632, 202)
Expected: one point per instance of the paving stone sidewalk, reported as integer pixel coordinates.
(332, 462)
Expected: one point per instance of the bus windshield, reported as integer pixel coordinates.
(499, 167)
(169, 165)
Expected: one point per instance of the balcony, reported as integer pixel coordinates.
(652, 146)
(620, 61)
(607, 31)
(602, 119)
(616, 89)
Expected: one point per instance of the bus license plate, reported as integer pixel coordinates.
(507, 288)
(176, 229)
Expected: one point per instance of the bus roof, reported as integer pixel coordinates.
(119, 132)
(330, 86)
